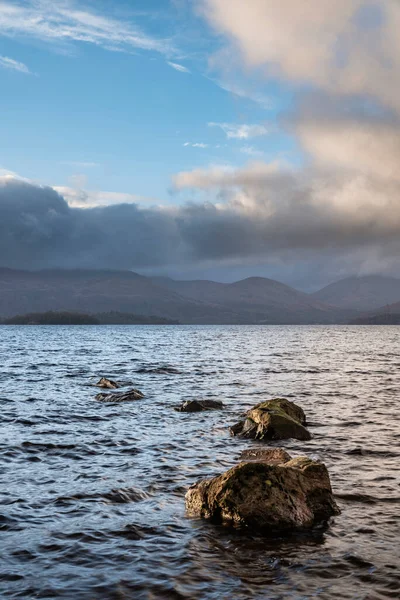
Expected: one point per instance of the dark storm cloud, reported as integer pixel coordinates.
(265, 215)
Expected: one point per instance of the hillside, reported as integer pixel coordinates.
(264, 300)
(385, 315)
(96, 291)
(360, 293)
(253, 300)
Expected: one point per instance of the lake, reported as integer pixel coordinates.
(92, 494)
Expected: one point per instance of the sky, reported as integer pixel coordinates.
(201, 138)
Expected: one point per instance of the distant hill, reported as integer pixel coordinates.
(385, 315)
(97, 291)
(360, 293)
(258, 298)
(378, 319)
(253, 300)
(75, 318)
(52, 318)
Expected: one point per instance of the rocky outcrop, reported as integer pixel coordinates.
(276, 419)
(200, 405)
(107, 383)
(120, 396)
(272, 456)
(266, 497)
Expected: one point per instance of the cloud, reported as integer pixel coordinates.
(251, 151)
(195, 145)
(263, 212)
(241, 131)
(13, 65)
(248, 92)
(77, 197)
(343, 47)
(68, 21)
(178, 67)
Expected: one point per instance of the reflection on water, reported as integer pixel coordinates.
(92, 494)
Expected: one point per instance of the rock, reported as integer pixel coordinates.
(276, 419)
(163, 370)
(200, 405)
(268, 498)
(120, 396)
(107, 383)
(272, 456)
(290, 408)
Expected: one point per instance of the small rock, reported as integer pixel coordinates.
(200, 405)
(276, 419)
(107, 383)
(268, 498)
(120, 396)
(272, 456)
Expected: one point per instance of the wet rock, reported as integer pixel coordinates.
(200, 405)
(290, 408)
(107, 383)
(276, 419)
(162, 370)
(272, 456)
(120, 396)
(268, 498)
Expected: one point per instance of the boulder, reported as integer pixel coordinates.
(290, 408)
(200, 405)
(272, 456)
(276, 419)
(120, 396)
(107, 383)
(267, 498)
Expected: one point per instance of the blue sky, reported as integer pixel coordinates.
(124, 118)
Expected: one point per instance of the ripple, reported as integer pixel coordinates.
(92, 505)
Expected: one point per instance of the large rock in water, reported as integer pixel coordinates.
(276, 419)
(107, 383)
(120, 396)
(200, 405)
(269, 498)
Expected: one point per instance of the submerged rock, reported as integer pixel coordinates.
(162, 370)
(272, 456)
(107, 383)
(276, 419)
(269, 498)
(120, 396)
(200, 405)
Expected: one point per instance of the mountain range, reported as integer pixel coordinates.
(251, 300)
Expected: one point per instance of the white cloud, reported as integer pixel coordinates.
(241, 130)
(178, 67)
(14, 65)
(344, 47)
(57, 22)
(369, 147)
(82, 198)
(251, 151)
(195, 145)
(243, 91)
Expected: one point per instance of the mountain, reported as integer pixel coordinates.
(361, 293)
(263, 300)
(385, 315)
(253, 300)
(96, 291)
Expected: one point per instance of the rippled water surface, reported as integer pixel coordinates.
(92, 494)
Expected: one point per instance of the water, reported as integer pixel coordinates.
(66, 534)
